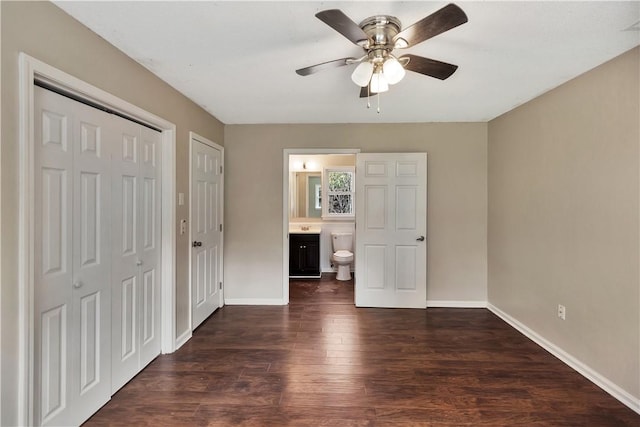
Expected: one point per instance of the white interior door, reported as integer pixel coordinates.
(391, 225)
(206, 230)
(136, 250)
(149, 245)
(72, 261)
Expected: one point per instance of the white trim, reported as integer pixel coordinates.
(0, 230)
(30, 69)
(589, 373)
(254, 301)
(285, 206)
(183, 338)
(326, 216)
(193, 137)
(456, 304)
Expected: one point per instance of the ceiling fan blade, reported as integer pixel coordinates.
(429, 67)
(438, 22)
(340, 22)
(325, 65)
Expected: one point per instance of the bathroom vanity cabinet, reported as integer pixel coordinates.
(304, 255)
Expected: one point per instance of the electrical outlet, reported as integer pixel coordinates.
(562, 312)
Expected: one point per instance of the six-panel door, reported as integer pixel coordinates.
(206, 231)
(72, 260)
(391, 224)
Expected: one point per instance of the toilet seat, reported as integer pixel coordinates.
(343, 256)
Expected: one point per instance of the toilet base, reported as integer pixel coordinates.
(344, 272)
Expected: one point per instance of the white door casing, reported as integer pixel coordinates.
(391, 226)
(72, 260)
(136, 250)
(206, 229)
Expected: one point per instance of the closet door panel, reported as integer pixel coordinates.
(150, 219)
(125, 351)
(136, 205)
(53, 251)
(91, 373)
(72, 261)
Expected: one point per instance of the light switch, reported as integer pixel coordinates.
(180, 199)
(183, 226)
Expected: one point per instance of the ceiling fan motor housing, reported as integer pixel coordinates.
(381, 29)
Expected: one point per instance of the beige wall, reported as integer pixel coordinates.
(457, 200)
(564, 220)
(48, 34)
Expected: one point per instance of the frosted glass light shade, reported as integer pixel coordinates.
(393, 70)
(362, 74)
(379, 83)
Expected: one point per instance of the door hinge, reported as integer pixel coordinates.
(220, 227)
(221, 169)
(220, 285)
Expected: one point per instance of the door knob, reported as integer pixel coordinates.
(196, 244)
(139, 262)
(77, 285)
(420, 239)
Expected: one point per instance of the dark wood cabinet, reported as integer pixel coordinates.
(304, 255)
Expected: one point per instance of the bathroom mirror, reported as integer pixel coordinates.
(305, 195)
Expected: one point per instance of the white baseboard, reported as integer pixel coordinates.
(456, 304)
(253, 301)
(623, 396)
(183, 338)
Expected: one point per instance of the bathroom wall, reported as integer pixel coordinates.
(456, 213)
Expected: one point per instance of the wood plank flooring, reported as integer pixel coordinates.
(322, 362)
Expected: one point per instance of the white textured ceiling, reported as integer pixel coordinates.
(237, 59)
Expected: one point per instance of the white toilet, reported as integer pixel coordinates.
(342, 254)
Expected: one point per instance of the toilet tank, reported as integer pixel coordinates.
(342, 241)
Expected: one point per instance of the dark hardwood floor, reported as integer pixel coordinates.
(322, 362)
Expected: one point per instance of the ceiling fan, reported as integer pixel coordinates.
(379, 35)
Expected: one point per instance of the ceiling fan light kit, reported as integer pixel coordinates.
(362, 74)
(379, 83)
(393, 70)
(378, 36)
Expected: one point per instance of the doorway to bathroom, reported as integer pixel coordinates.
(391, 215)
(309, 221)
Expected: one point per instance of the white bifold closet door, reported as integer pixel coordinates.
(81, 234)
(72, 261)
(135, 210)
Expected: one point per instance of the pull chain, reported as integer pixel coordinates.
(369, 99)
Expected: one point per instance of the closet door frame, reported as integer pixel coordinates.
(30, 70)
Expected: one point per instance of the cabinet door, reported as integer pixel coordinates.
(312, 256)
(304, 254)
(295, 255)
